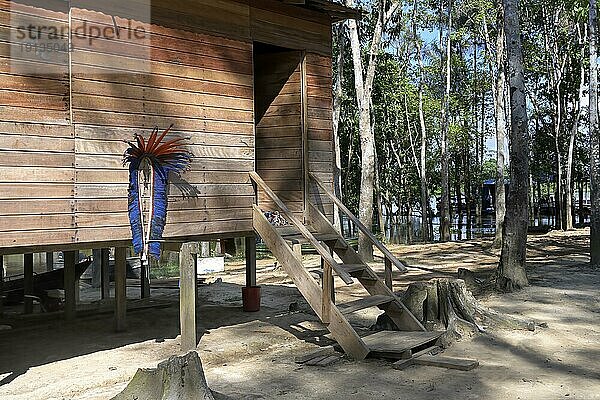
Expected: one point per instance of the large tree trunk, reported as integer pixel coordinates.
(445, 120)
(594, 141)
(511, 273)
(337, 107)
(367, 138)
(500, 110)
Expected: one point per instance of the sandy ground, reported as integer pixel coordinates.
(251, 355)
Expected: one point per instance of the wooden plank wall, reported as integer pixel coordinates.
(62, 137)
(36, 198)
(285, 25)
(203, 85)
(279, 154)
(320, 128)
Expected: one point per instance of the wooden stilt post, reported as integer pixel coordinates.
(104, 274)
(49, 261)
(71, 286)
(145, 279)
(28, 283)
(120, 288)
(96, 268)
(1, 286)
(388, 274)
(187, 295)
(77, 293)
(250, 242)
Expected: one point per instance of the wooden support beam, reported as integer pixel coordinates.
(145, 279)
(120, 288)
(1, 286)
(28, 283)
(49, 261)
(187, 295)
(104, 274)
(96, 267)
(70, 282)
(388, 274)
(250, 242)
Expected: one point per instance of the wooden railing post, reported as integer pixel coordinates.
(388, 274)
(326, 284)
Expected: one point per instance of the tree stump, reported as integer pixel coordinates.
(447, 303)
(178, 378)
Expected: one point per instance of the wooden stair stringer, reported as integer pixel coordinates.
(337, 324)
(396, 310)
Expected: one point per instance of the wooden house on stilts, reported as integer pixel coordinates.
(247, 82)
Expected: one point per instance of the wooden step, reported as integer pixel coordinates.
(337, 244)
(396, 344)
(358, 271)
(287, 230)
(300, 239)
(367, 302)
(353, 268)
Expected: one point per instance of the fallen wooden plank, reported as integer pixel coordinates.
(461, 364)
(408, 361)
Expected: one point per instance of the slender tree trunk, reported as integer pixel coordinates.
(445, 120)
(337, 107)
(500, 109)
(594, 141)
(511, 274)
(363, 86)
(574, 129)
(425, 233)
(581, 217)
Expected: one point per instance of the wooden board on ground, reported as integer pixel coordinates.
(393, 344)
(461, 364)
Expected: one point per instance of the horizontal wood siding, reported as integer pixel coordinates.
(36, 139)
(202, 84)
(279, 132)
(319, 127)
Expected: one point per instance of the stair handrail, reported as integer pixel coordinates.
(328, 258)
(386, 253)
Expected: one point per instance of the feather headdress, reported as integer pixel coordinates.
(150, 163)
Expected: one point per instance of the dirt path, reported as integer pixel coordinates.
(251, 355)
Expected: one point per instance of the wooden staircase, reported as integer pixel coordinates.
(324, 238)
